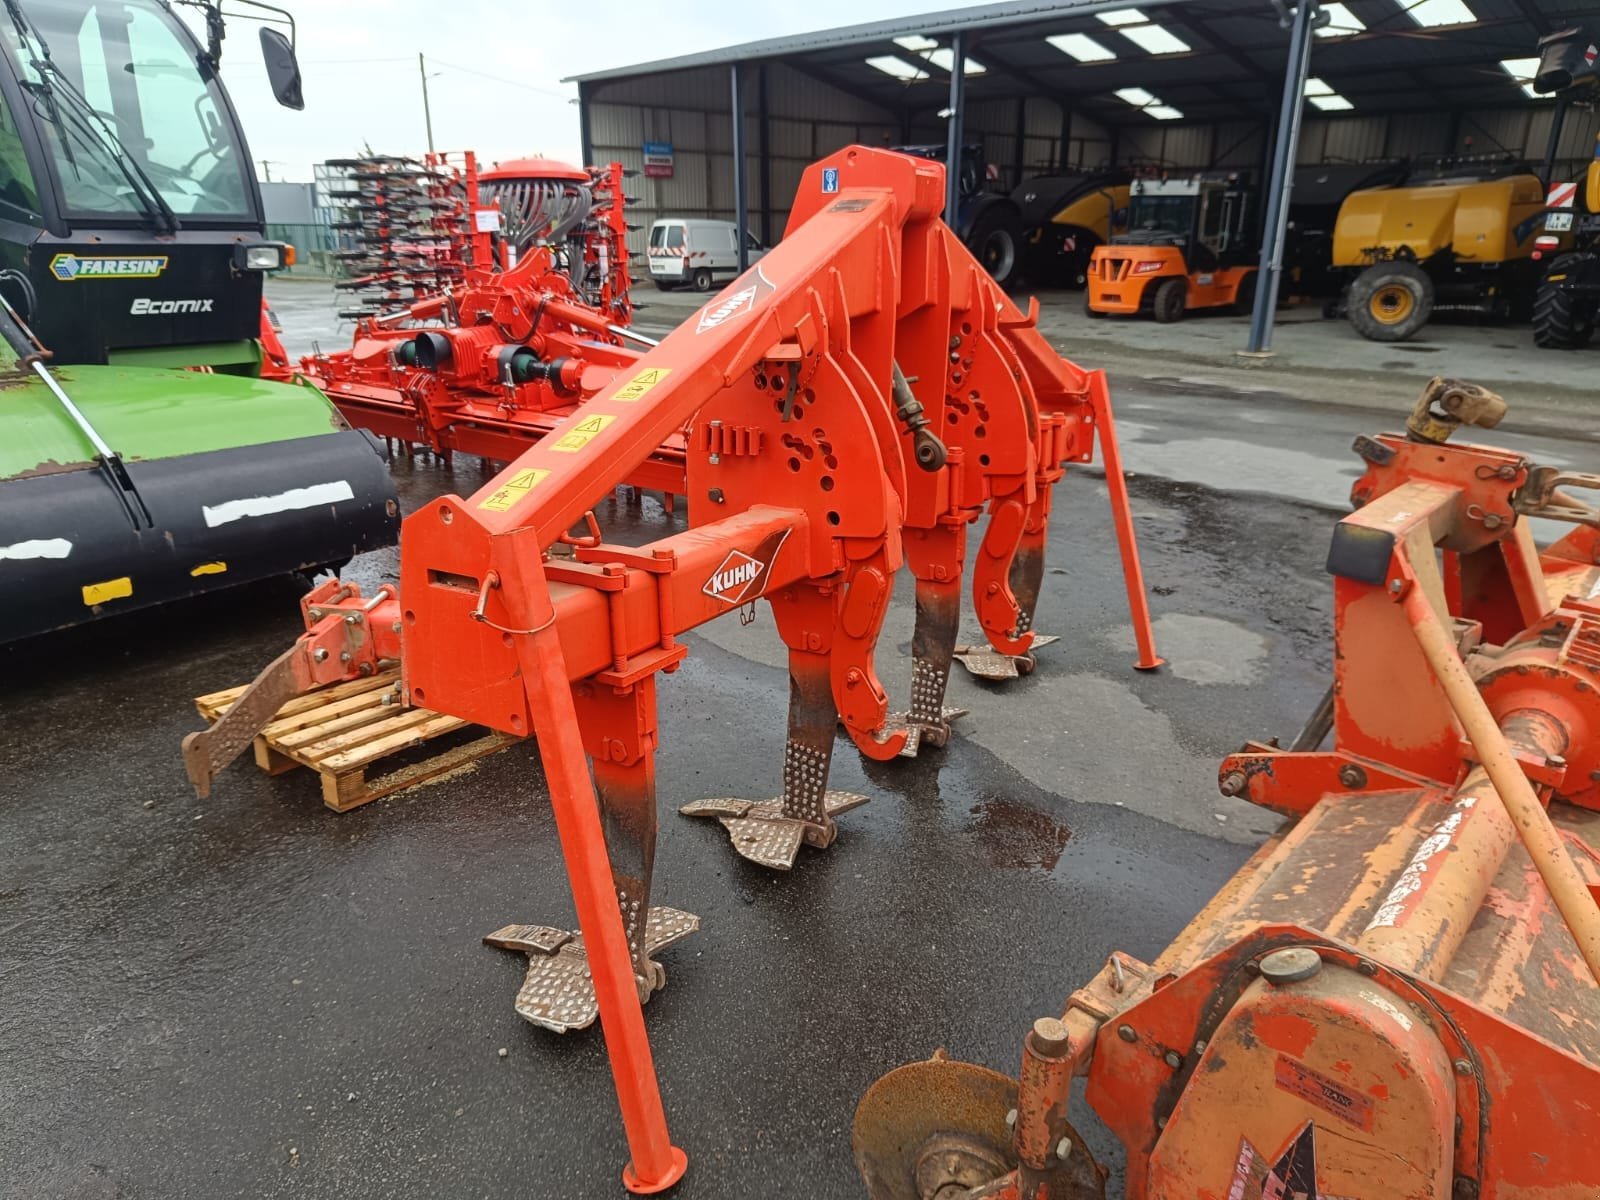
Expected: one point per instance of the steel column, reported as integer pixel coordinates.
(764, 150)
(741, 202)
(585, 123)
(1064, 159)
(1019, 157)
(1306, 18)
(952, 153)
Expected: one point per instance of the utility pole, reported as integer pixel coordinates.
(427, 113)
(266, 171)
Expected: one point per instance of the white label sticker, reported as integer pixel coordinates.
(38, 548)
(265, 506)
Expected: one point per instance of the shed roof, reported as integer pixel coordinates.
(1207, 60)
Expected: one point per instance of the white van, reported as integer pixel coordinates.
(695, 252)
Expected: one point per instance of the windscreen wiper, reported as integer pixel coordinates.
(54, 83)
(31, 356)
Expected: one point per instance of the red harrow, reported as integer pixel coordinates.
(858, 399)
(506, 348)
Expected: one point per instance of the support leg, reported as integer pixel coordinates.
(1122, 518)
(655, 1164)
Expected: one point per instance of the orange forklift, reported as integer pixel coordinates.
(1190, 243)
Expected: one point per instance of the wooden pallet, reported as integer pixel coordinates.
(344, 731)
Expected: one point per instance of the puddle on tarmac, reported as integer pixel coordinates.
(1014, 835)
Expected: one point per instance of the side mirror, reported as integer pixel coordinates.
(283, 69)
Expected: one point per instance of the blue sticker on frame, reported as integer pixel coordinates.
(830, 180)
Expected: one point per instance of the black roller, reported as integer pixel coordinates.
(69, 553)
(433, 350)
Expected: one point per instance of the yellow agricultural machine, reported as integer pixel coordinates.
(1396, 997)
(1064, 217)
(1455, 236)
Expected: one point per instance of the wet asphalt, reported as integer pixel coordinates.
(253, 996)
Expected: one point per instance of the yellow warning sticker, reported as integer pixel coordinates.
(210, 568)
(514, 489)
(641, 383)
(583, 433)
(111, 589)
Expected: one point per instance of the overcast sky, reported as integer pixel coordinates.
(359, 61)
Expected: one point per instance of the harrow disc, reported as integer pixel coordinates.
(935, 1130)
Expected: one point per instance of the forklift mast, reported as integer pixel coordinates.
(128, 201)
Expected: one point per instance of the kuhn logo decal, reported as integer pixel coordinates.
(742, 576)
(162, 308)
(752, 288)
(69, 268)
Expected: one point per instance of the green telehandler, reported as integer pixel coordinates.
(143, 455)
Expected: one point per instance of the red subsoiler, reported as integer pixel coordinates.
(858, 399)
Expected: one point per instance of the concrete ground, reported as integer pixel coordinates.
(252, 996)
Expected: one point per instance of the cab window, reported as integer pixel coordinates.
(128, 97)
(19, 197)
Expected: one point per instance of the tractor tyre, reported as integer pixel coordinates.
(1561, 320)
(996, 242)
(1244, 300)
(1170, 301)
(702, 279)
(1391, 301)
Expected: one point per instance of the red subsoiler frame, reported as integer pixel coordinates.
(1397, 996)
(858, 398)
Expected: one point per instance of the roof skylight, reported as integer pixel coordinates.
(1147, 103)
(1153, 39)
(1081, 47)
(1322, 95)
(916, 42)
(898, 67)
(1523, 71)
(1132, 24)
(945, 59)
(1434, 13)
(1341, 22)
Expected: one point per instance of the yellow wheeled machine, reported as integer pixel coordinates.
(1455, 236)
(1396, 998)
(1064, 217)
(1190, 244)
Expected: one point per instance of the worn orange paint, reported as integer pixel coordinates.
(1449, 1043)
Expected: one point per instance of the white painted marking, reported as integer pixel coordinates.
(265, 506)
(38, 548)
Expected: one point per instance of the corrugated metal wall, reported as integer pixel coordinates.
(808, 118)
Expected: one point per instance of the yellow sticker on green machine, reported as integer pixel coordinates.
(514, 489)
(641, 383)
(580, 435)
